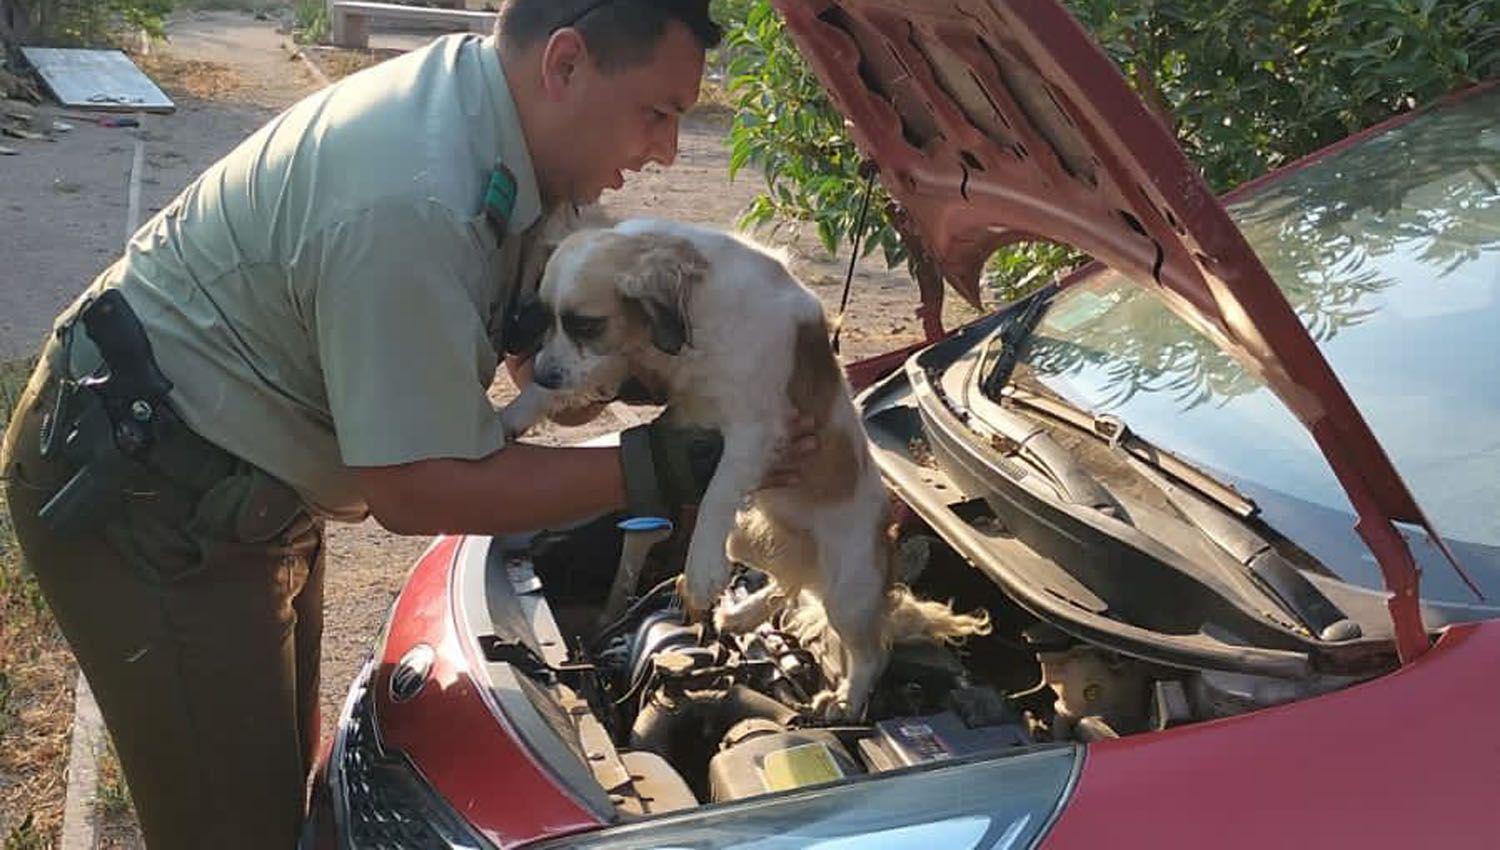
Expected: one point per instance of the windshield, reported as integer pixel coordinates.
(1390, 253)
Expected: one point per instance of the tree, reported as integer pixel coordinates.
(84, 22)
(1246, 85)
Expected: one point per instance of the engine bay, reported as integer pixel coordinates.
(732, 713)
(667, 714)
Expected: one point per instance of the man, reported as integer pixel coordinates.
(328, 303)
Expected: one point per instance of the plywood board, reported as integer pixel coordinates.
(96, 79)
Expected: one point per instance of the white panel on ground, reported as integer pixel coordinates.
(96, 79)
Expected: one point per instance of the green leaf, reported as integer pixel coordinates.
(828, 236)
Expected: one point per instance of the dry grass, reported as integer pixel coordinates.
(17, 87)
(36, 686)
(337, 63)
(200, 79)
(117, 827)
(114, 797)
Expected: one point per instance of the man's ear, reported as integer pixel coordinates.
(656, 280)
(562, 55)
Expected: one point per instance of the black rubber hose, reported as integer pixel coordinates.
(631, 612)
(742, 703)
(657, 724)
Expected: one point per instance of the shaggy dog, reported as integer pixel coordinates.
(719, 326)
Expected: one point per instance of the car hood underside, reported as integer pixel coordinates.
(994, 121)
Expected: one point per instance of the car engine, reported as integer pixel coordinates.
(733, 713)
(671, 714)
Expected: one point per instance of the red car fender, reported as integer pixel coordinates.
(1411, 759)
(448, 731)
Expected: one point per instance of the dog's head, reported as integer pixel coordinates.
(610, 297)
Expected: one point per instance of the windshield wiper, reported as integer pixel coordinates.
(1214, 516)
(1217, 510)
(1108, 428)
(1271, 571)
(1011, 337)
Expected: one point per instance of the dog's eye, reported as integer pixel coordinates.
(582, 327)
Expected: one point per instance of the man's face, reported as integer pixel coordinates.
(629, 117)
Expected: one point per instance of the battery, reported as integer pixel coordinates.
(906, 741)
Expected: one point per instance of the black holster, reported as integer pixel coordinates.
(105, 424)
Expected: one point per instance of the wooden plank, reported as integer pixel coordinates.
(96, 79)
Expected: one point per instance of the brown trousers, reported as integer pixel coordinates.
(198, 632)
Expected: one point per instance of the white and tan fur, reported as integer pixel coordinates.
(736, 343)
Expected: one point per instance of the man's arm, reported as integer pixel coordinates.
(522, 488)
(526, 487)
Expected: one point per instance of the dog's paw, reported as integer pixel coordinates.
(513, 423)
(526, 409)
(732, 619)
(701, 585)
(679, 589)
(696, 610)
(830, 705)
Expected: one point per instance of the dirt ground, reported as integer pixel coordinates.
(62, 219)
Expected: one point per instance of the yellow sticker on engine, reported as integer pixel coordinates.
(795, 767)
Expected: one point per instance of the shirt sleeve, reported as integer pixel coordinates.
(401, 334)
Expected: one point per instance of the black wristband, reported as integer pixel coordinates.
(667, 467)
(643, 495)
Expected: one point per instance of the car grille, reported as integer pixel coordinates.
(386, 805)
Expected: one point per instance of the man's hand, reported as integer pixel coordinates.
(520, 372)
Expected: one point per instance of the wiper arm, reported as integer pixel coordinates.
(1220, 518)
(1023, 437)
(1271, 571)
(1010, 338)
(1027, 440)
(1108, 428)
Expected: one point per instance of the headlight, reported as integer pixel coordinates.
(996, 804)
(380, 801)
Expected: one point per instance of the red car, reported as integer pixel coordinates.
(1195, 484)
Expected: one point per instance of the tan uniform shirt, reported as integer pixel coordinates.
(330, 294)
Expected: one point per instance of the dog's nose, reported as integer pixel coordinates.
(547, 379)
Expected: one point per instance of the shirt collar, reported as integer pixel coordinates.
(513, 151)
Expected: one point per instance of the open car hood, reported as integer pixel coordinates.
(998, 120)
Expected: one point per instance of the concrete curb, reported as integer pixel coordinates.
(80, 822)
(312, 67)
(80, 826)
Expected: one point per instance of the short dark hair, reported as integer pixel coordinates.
(619, 33)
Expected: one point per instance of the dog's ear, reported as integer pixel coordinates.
(656, 278)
